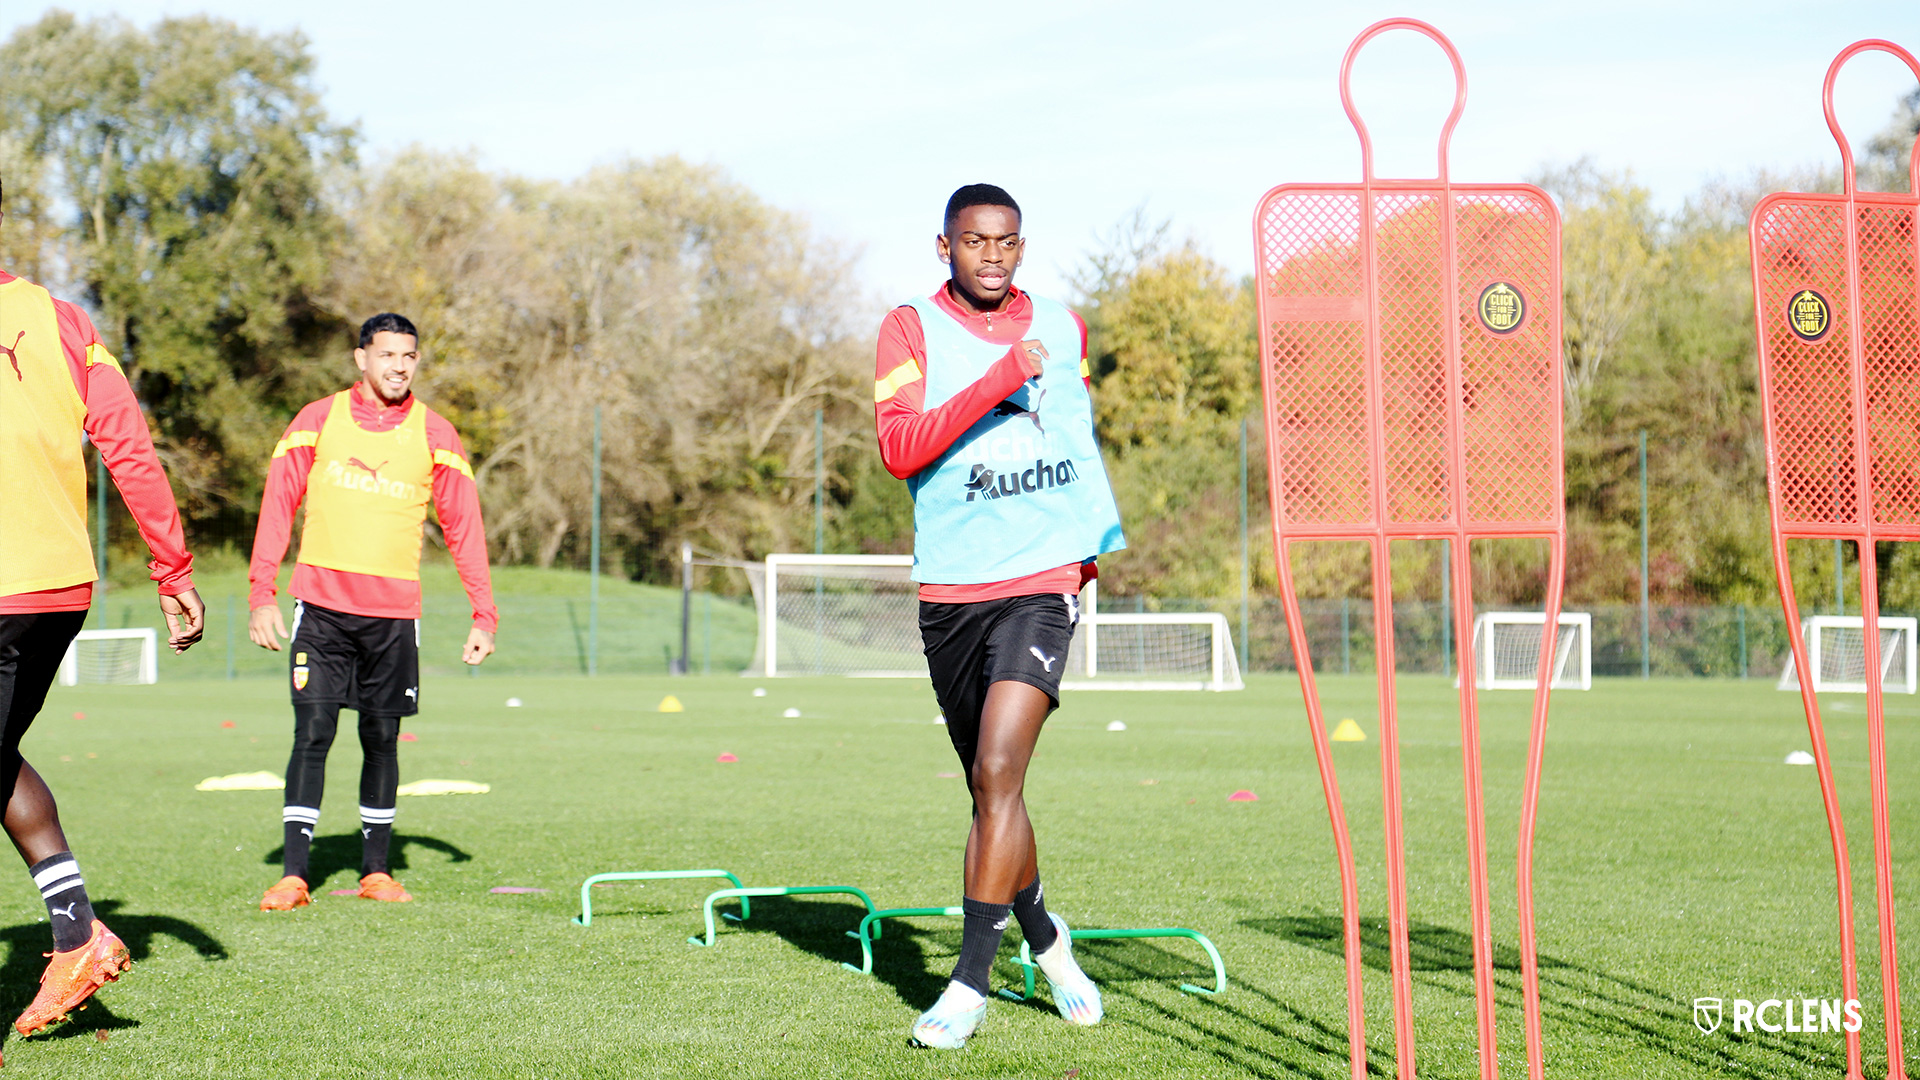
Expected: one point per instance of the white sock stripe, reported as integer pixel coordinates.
(63, 869)
(48, 892)
(372, 815)
(306, 815)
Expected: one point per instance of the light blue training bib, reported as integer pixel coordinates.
(1024, 489)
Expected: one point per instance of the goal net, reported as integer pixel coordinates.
(118, 657)
(1506, 650)
(1837, 655)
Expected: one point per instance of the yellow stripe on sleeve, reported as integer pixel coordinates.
(1086, 372)
(453, 461)
(906, 374)
(293, 439)
(98, 354)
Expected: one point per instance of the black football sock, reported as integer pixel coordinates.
(58, 879)
(296, 832)
(313, 728)
(1030, 908)
(379, 783)
(980, 935)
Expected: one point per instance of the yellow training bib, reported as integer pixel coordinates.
(367, 494)
(43, 477)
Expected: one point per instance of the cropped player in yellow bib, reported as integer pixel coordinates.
(366, 461)
(59, 389)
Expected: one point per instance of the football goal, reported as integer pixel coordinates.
(1837, 655)
(1506, 650)
(855, 615)
(116, 657)
(859, 616)
(1159, 650)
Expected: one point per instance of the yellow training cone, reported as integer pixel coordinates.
(1348, 731)
(671, 704)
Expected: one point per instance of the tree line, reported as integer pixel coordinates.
(184, 181)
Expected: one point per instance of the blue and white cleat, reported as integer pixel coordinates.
(1073, 993)
(952, 1019)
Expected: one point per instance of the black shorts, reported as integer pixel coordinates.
(972, 646)
(31, 649)
(364, 662)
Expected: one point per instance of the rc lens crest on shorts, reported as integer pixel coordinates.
(1809, 316)
(1502, 308)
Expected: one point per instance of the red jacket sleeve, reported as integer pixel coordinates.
(286, 487)
(911, 437)
(117, 427)
(456, 501)
(1086, 373)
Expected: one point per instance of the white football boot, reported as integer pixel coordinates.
(954, 1017)
(1073, 993)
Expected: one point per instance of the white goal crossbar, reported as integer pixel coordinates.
(129, 656)
(1838, 658)
(1506, 650)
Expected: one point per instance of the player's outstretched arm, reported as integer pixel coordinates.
(186, 616)
(479, 646)
(265, 627)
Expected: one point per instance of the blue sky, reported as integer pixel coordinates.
(863, 116)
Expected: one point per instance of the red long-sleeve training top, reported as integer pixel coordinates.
(913, 437)
(456, 502)
(118, 429)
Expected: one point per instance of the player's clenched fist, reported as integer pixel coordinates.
(1035, 354)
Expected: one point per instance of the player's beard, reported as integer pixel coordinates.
(383, 392)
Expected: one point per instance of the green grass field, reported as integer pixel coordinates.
(1677, 858)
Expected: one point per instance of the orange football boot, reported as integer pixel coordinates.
(382, 887)
(72, 977)
(286, 894)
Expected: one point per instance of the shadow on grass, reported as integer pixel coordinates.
(27, 943)
(1429, 947)
(332, 854)
(1572, 997)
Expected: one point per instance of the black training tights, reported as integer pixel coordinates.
(313, 730)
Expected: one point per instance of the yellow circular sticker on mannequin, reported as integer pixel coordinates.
(1502, 308)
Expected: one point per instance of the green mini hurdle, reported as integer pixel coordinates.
(1219, 968)
(869, 931)
(585, 918)
(775, 890)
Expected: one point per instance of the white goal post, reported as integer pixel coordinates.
(122, 657)
(1837, 656)
(859, 616)
(1506, 650)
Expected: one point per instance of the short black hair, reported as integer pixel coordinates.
(389, 323)
(978, 195)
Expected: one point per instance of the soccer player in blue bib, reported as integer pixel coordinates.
(981, 405)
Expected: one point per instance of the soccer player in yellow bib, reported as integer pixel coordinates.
(365, 461)
(58, 383)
